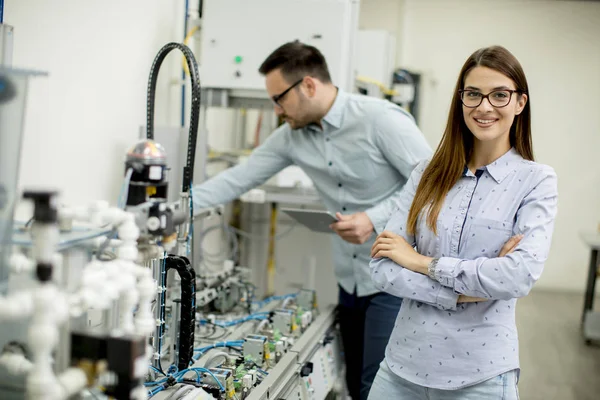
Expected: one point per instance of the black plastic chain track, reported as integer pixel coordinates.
(188, 170)
(187, 322)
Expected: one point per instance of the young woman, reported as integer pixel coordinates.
(481, 215)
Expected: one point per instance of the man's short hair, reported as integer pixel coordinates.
(297, 60)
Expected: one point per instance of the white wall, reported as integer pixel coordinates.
(558, 44)
(83, 117)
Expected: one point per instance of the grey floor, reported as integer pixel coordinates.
(556, 364)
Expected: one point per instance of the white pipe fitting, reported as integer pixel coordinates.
(18, 305)
(72, 381)
(15, 363)
(19, 263)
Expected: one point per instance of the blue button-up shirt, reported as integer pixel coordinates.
(441, 344)
(358, 161)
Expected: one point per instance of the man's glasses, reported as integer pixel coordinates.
(497, 98)
(279, 96)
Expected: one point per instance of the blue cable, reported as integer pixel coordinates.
(202, 350)
(268, 300)
(157, 370)
(225, 324)
(1, 11)
(197, 370)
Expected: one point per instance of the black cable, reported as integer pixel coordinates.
(162, 312)
(214, 330)
(188, 171)
(187, 322)
(29, 221)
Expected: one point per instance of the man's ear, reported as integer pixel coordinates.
(310, 86)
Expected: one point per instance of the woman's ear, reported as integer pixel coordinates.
(522, 100)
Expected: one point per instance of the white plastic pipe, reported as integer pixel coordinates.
(147, 288)
(49, 312)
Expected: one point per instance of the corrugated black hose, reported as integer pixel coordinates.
(187, 322)
(188, 170)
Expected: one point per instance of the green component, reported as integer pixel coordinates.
(237, 385)
(272, 347)
(240, 371)
(238, 59)
(276, 335)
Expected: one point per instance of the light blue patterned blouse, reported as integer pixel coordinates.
(436, 342)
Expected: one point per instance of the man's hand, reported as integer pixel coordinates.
(510, 245)
(355, 228)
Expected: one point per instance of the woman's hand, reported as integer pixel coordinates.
(397, 249)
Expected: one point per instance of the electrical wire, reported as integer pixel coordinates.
(186, 41)
(102, 249)
(226, 324)
(260, 304)
(124, 193)
(203, 350)
(93, 394)
(157, 370)
(182, 391)
(231, 232)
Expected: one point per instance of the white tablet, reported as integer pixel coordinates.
(315, 220)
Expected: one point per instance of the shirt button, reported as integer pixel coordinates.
(343, 208)
(339, 185)
(330, 163)
(327, 139)
(354, 256)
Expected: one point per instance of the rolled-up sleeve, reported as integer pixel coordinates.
(392, 278)
(513, 275)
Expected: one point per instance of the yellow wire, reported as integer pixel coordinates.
(186, 41)
(380, 85)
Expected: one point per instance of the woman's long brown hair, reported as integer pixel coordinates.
(453, 153)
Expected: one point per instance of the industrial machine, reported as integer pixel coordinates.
(106, 301)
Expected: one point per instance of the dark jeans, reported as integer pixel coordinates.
(366, 324)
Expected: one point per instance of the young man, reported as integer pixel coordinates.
(359, 152)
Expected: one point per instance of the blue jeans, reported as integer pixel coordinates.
(388, 385)
(366, 324)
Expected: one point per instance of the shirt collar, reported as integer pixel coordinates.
(335, 114)
(500, 168)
